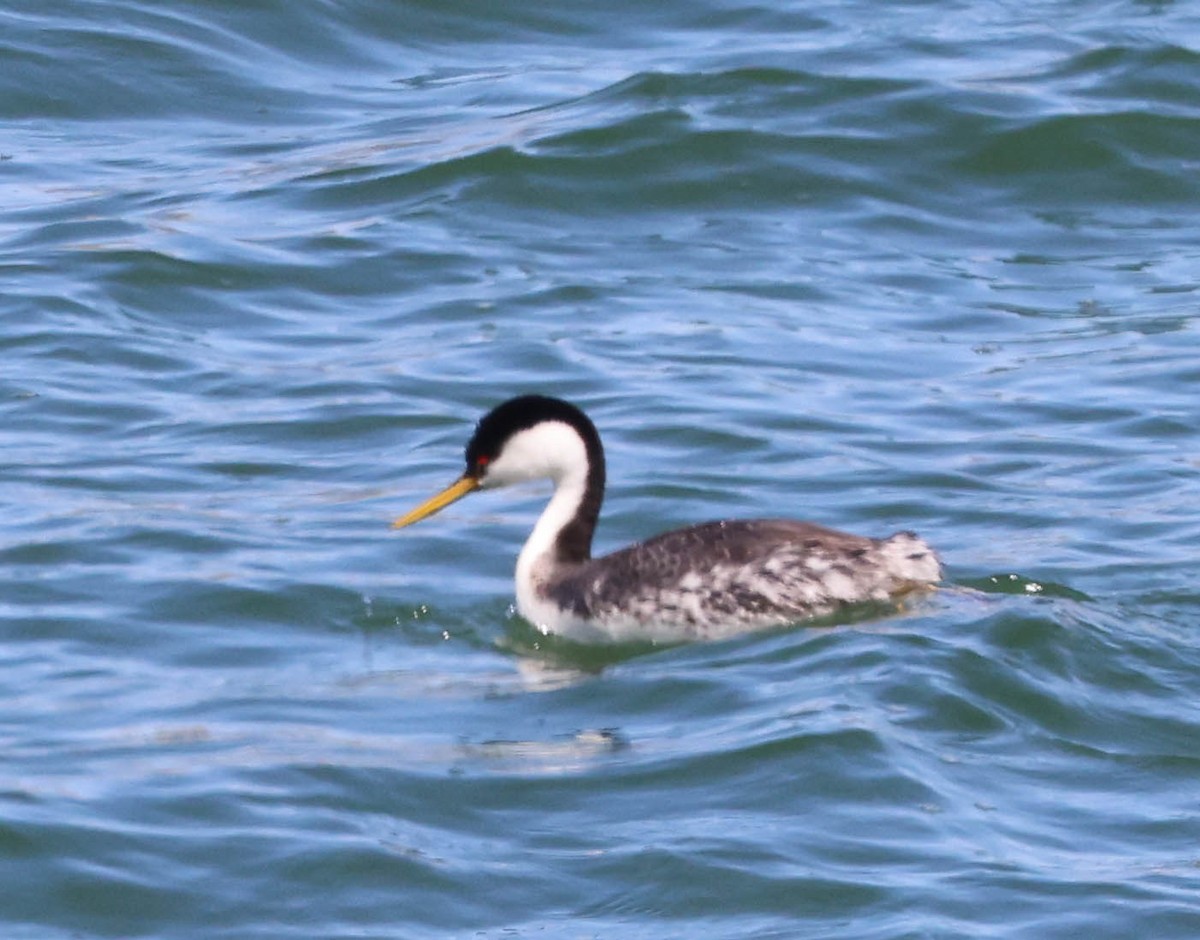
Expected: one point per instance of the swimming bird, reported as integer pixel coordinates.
(703, 582)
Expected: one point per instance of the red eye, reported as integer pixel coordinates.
(482, 462)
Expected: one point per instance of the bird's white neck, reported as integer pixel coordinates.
(551, 450)
(539, 558)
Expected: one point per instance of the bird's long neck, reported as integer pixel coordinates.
(562, 536)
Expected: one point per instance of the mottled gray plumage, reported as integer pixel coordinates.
(726, 577)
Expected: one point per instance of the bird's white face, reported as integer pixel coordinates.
(553, 448)
(549, 450)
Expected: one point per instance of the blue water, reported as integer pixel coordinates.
(903, 266)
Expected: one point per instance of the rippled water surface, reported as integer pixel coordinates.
(882, 266)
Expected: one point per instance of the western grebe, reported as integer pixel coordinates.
(702, 582)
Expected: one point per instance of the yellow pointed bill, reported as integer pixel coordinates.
(454, 492)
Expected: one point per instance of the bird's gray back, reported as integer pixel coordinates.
(756, 572)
